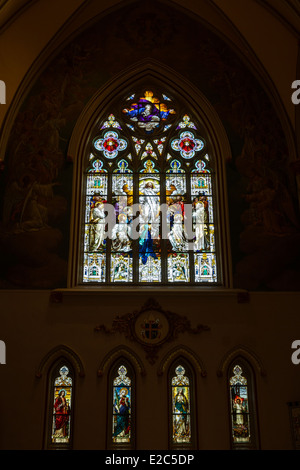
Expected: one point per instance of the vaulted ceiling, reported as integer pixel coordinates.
(267, 30)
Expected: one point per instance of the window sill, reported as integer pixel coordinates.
(57, 295)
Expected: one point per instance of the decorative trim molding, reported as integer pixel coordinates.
(246, 353)
(151, 333)
(55, 354)
(119, 352)
(186, 353)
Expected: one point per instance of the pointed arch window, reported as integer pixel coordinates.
(182, 424)
(121, 425)
(244, 431)
(61, 391)
(149, 196)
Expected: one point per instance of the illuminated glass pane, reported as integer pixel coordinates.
(96, 184)
(149, 152)
(181, 407)
(178, 239)
(205, 267)
(111, 144)
(201, 185)
(94, 268)
(187, 145)
(148, 112)
(239, 404)
(138, 143)
(111, 122)
(62, 402)
(160, 143)
(186, 122)
(178, 267)
(149, 201)
(121, 234)
(123, 167)
(150, 267)
(121, 267)
(121, 425)
(122, 194)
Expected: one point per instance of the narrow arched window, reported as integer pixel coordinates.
(182, 424)
(244, 432)
(61, 391)
(121, 425)
(149, 196)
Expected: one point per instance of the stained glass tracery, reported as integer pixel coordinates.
(149, 160)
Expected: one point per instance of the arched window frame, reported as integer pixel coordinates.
(53, 374)
(100, 106)
(247, 373)
(112, 375)
(190, 374)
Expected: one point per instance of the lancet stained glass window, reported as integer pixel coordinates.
(62, 403)
(181, 407)
(239, 403)
(149, 196)
(121, 416)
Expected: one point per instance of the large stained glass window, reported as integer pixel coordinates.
(149, 196)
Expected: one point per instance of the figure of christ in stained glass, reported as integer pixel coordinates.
(62, 408)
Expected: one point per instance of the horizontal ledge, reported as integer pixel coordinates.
(57, 295)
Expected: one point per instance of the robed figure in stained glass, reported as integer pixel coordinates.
(97, 223)
(121, 403)
(122, 410)
(61, 407)
(181, 407)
